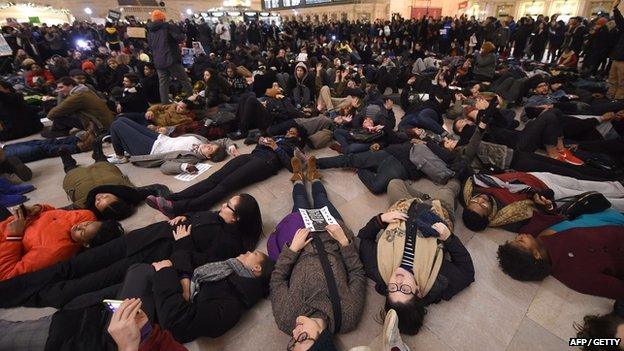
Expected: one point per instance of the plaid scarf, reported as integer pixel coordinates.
(214, 271)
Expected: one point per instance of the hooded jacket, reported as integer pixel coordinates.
(79, 182)
(307, 80)
(84, 103)
(163, 38)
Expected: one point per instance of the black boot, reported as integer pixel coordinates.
(98, 154)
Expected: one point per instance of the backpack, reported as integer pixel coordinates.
(586, 203)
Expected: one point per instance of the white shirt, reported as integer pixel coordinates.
(224, 32)
(166, 144)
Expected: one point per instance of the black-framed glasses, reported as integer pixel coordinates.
(301, 338)
(227, 204)
(404, 288)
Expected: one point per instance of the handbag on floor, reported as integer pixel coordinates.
(586, 203)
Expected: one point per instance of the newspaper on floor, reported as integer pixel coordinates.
(317, 219)
(187, 177)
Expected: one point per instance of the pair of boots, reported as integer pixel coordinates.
(13, 194)
(297, 169)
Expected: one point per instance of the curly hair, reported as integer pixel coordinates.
(521, 264)
(599, 327)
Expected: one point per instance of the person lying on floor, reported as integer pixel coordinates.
(40, 235)
(264, 161)
(39, 149)
(511, 200)
(102, 187)
(301, 296)
(129, 328)
(606, 326)
(211, 236)
(204, 302)
(150, 149)
(408, 262)
(585, 254)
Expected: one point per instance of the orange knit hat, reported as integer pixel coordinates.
(158, 15)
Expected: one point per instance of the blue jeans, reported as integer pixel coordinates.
(129, 136)
(319, 195)
(34, 150)
(425, 119)
(375, 168)
(342, 137)
(138, 117)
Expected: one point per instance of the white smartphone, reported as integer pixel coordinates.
(112, 305)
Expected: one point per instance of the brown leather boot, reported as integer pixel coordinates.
(86, 141)
(313, 173)
(296, 170)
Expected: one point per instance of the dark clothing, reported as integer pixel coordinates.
(375, 168)
(216, 309)
(163, 39)
(134, 100)
(237, 173)
(128, 135)
(456, 273)
(150, 88)
(17, 119)
(106, 265)
(34, 150)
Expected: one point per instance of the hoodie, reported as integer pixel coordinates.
(301, 90)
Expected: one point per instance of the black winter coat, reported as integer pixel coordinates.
(456, 273)
(163, 39)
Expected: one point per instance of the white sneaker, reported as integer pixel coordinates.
(116, 160)
(391, 335)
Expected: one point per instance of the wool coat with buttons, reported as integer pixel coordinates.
(589, 260)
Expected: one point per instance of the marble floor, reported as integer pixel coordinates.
(494, 313)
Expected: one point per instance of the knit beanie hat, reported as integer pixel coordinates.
(144, 57)
(87, 65)
(158, 15)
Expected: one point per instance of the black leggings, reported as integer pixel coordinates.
(239, 172)
(545, 130)
(86, 272)
(531, 162)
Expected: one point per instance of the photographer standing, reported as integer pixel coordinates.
(163, 39)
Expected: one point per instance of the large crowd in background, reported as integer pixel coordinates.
(519, 122)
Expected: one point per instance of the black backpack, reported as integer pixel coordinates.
(585, 203)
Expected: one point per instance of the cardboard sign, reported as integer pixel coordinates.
(114, 15)
(136, 32)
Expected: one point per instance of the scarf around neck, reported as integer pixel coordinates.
(214, 271)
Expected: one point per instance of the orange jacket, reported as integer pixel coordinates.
(46, 241)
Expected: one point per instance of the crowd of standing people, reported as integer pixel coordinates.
(520, 123)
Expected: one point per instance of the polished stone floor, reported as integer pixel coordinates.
(494, 313)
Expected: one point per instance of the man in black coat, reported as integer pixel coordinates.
(133, 99)
(149, 83)
(163, 39)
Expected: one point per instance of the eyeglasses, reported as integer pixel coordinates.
(301, 338)
(227, 204)
(404, 289)
(483, 205)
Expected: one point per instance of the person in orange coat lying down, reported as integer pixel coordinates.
(38, 236)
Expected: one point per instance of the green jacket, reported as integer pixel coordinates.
(83, 103)
(80, 181)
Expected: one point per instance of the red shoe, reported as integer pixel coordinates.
(566, 156)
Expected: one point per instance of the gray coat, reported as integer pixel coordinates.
(298, 285)
(169, 162)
